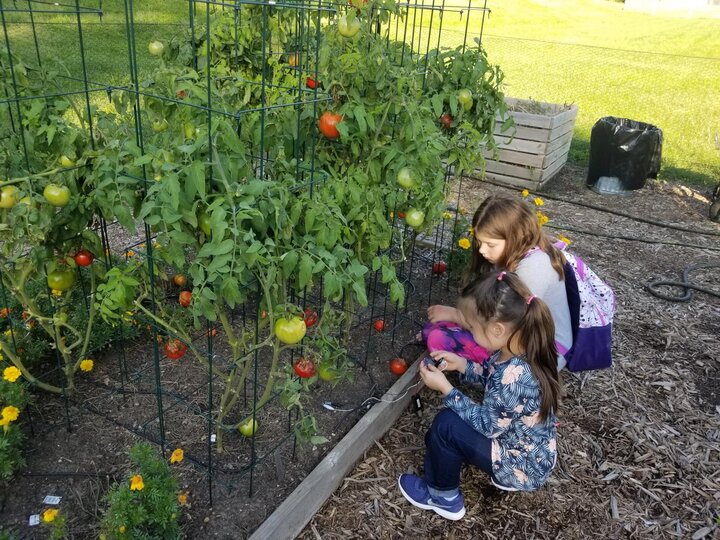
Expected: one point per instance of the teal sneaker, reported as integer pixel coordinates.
(415, 490)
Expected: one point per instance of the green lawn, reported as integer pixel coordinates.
(660, 70)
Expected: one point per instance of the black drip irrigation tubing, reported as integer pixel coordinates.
(684, 284)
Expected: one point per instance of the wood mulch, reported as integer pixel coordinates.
(639, 444)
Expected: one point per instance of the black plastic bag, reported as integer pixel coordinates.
(623, 154)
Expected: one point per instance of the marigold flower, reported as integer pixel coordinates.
(177, 456)
(121, 529)
(182, 498)
(8, 333)
(10, 413)
(525, 193)
(564, 239)
(464, 243)
(56, 292)
(4, 312)
(538, 201)
(11, 374)
(447, 215)
(542, 218)
(130, 253)
(4, 422)
(136, 483)
(50, 514)
(87, 365)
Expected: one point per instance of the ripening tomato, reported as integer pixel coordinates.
(415, 218)
(406, 178)
(181, 94)
(379, 325)
(290, 331)
(179, 280)
(156, 48)
(446, 121)
(310, 317)
(348, 26)
(401, 215)
(398, 366)
(66, 161)
(327, 371)
(304, 367)
(293, 60)
(248, 428)
(328, 124)
(185, 298)
(311, 83)
(57, 195)
(174, 349)
(8, 197)
(83, 258)
(465, 98)
(439, 267)
(61, 279)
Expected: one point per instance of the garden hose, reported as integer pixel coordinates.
(685, 284)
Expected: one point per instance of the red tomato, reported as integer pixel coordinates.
(181, 94)
(311, 83)
(174, 349)
(263, 314)
(185, 298)
(401, 215)
(310, 318)
(446, 120)
(439, 267)
(304, 367)
(398, 366)
(83, 258)
(379, 325)
(328, 124)
(211, 332)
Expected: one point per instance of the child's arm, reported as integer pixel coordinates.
(439, 313)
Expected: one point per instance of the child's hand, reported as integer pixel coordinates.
(435, 379)
(453, 362)
(442, 313)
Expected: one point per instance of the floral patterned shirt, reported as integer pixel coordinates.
(523, 447)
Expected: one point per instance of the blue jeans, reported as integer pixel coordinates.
(450, 442)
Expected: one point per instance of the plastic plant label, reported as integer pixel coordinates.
(213, 437)
(34, 520)
(52, 499)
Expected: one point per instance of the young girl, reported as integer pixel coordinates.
(511, 435)
(507, 236)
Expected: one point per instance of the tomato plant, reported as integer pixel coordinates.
(83, 258)
(8, 197)
(185, 298)
(406, 178)
(465, 98)
(290, 331)
(379, 325)
(398, 366)
(61, 279)
(439, 267)
(310, 317)
(248, 427)
(174, 348)
(328, 124)
(304, 367)
(348, 26)
(57, 195)
(415, 218)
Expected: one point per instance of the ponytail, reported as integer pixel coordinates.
(503, 297)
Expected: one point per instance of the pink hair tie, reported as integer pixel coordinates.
(501, 275)
(531, 298)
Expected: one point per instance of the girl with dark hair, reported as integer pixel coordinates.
(511, 435)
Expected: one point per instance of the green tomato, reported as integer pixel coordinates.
(248, 428)
(290, 331)
(8, 197)
(189, 130)
(66, 161)
(348, 27)
(57, 195)
(465, 98)
(327, 371)
(61, 279)
(415, 218)
(406, 178)
(204, 224)
(156, 48)
(159, 126)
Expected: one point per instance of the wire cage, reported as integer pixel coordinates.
(188, 202)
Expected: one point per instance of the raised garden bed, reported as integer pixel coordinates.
(532, 151)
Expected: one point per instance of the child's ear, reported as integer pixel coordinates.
(497, 329)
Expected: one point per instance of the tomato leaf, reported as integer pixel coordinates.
(196, 180)
(306, 265)
(437, 104)
(289, 261)
(359, 112)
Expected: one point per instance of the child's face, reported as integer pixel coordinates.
(490, 248)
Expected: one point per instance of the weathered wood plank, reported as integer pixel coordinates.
(518, 171)
(512, 156)
(538, 134)
(296, 511)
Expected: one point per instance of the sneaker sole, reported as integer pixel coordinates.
(440, 511)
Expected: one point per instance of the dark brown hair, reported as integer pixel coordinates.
(506, 300)
(515, 222)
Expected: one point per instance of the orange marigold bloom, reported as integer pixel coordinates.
(177, 455)
(136, 483)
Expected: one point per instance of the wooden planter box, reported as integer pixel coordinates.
(536, 148)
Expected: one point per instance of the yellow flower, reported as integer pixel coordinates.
(10, 413)
(182, 498)
(525, 193)
(87, 365)
(542, 218)
(136, 483)
(462, 210)
(464, 243)
(539, 201)
(50, 514)
(121, 529)
(177, 455)
(56, 292)
(447, 215)
(11, 374)
(564, 239)
(4, 422)
(130, 253)
(8, 333)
